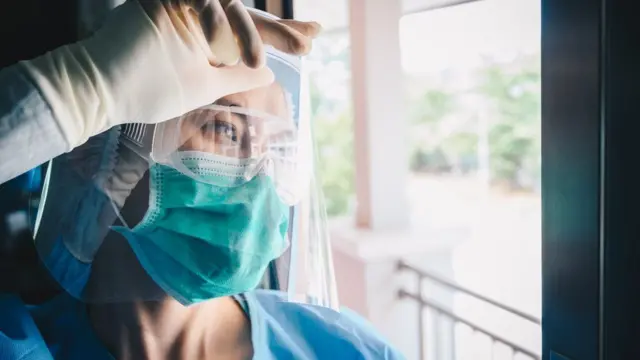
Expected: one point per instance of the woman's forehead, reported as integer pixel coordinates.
(270, 99)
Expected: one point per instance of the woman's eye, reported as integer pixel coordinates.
(221, 128)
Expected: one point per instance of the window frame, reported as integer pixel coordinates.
(589, 184)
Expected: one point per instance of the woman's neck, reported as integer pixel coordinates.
(163, 328)
(168, 330)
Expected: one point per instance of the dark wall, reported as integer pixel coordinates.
(28, 28)
(31, 27)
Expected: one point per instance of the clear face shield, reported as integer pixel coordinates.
(219, 201)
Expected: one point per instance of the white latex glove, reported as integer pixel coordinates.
(155, 60)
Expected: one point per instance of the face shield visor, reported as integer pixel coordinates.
(228, 145)
(219, 201)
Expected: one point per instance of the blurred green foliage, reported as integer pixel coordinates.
(334, 141)
(514, 135)
(449, 128)
(334, 138)
(509, 95)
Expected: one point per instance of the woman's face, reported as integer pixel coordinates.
(230, 133)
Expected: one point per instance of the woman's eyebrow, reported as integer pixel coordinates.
(225, 102)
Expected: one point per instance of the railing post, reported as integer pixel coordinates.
(421, 322)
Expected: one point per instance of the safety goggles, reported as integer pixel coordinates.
(243, 144)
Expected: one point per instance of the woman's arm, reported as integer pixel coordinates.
(150, 61)
(29, 134)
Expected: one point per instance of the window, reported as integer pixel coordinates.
(472, 84)
(473, 88)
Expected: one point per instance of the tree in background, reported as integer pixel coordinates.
(432, 106)
(332, 120)
(447, 129)
(333, 132)
(513, 93)
(334, 138)
(447, 133)
(427, 113)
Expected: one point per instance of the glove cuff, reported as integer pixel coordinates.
(68, 90)
(108, 79)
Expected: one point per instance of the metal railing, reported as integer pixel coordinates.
(442, 310)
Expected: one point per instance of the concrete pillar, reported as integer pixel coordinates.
(381, 142)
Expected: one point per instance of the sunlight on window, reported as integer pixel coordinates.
(473, 84)
(472, 78)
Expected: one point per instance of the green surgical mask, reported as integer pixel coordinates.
(200, 241)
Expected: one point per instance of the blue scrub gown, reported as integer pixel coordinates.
(59, 329)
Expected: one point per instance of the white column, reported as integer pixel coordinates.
(381, 143)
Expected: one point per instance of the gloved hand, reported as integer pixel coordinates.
(154, 60)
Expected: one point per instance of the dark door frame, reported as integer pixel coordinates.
(590, 184)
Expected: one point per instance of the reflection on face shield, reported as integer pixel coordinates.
(236, 133)
(232, 141)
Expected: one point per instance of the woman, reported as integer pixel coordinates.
(159, 233)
